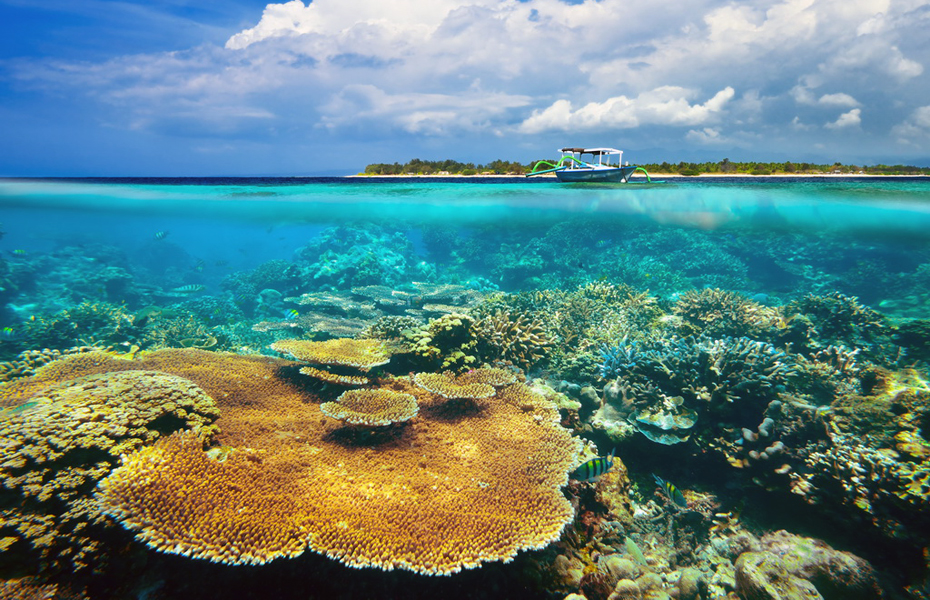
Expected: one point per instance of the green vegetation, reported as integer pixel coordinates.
(724, 167)
(448, 167)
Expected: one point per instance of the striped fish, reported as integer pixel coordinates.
(191, 288)
(673, 493)
(590, 470)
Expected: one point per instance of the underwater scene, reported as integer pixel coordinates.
(703, 388)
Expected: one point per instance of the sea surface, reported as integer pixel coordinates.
(825, 278)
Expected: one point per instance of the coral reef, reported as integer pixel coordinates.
(341, 352)
(517, 339)
(88, 324)
(720, 313)
(60, 441)
(371, 408)
(663, 387)
(791, 566)
(354, 255)
(446, 342)
(475, 487)
(447, 385)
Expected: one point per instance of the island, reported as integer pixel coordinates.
(418, 167)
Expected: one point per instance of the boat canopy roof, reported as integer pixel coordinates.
(594, 151)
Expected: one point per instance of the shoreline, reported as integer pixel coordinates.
(639, 176)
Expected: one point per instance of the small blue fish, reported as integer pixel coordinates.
(672, 491)
(160, 235)
(191, 288)
(291, 314)
(590, 470)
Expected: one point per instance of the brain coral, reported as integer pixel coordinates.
(55, 446)
(371, 408)
(445, 493)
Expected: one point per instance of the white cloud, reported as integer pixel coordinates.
(667, 105)
(404, 67)
(708, 136)
(846, 120)
(915, 130)
(839, 99)
(369, 108)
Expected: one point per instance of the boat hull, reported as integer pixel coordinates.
(613, 175)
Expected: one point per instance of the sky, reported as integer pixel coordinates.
(240, 87)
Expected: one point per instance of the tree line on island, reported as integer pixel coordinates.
(723, 167)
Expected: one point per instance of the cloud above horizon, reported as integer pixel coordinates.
(719, 73)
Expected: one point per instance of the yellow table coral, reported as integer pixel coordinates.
(344, 352)
(448, 493)
(371, 408)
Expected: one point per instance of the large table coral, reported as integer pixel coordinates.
(449, 491)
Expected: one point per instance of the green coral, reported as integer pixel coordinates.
(448, 342)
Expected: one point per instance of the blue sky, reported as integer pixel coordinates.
(188, 87)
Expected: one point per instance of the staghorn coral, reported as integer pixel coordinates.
(177, 332)
(672, 382)
(719, 313)
(512, 337)
(371, 408)
(88, 324)
(341, 352)
(62, 440)
(839, 320)
(455, 490)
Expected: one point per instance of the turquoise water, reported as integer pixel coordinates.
(814, 293)
(889, 204)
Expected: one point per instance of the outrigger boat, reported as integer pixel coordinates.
(605, 166)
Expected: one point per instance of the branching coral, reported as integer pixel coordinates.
(670, 382)
(512, 337)
(177, 332)
(575, 323)
(839, 320)
(89, 323)
(719, 313)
